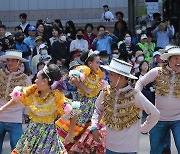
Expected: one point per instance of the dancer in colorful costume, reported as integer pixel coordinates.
(45, 106)
(88, 79)
(121, 105)
(167, 101)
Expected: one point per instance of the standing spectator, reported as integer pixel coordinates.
(10, 77)
(104, 40)
(79, 44)
(120, 17)
(107, 15)
(24, 25)
(167, 99)
(70, 30)
(60, 49)
(163, 32)
(89, 35)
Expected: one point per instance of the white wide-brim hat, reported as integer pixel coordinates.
(173, 51)
(13, 54)
(120, 67)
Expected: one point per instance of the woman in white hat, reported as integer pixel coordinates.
(167, 80)
(122, 107)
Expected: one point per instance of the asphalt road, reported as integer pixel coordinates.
(143, 148)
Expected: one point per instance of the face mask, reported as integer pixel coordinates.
(143, 28)
(127, 40)
(79, 37)
(20, 40)
(63, 38)
(138, 31)
(140, 58)
(115, 56)
(105, 60)
(44, 52)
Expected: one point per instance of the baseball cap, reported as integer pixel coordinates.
(32, 28)
(143, 36)
(38, 38)
(157, 53)
(106, 6)
(42, 46)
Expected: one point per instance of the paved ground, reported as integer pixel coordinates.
(144, 145)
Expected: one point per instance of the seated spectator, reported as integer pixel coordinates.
(60, 49)
(163, 32)
(5, 42)
(126, 49)
(104, 40)
(40, 29)
(79, 44)
(58, 23)
(39, 40)
(70, 30)
(40, 66)
(71, 88)
(23, 47)
(150, 47)
(1, 47)
(119, 30)
(42, 57)
(89, 35)
(55, 35)
(146, 45)
(136, 35)
(143, 25)
(30, 40)
(139, 57)
(105, 58)
(156, 20)
(156, 60)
